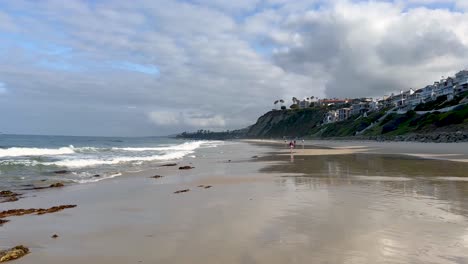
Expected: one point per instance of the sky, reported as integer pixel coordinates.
(157, 67)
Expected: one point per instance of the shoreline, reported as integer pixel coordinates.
(260, 203)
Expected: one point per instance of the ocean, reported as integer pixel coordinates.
(27, 160)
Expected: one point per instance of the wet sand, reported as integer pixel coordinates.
(352, 207)
(441, 151)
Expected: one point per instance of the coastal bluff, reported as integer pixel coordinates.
(383, 125)
(291, 123)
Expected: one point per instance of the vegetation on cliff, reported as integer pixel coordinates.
(307, 123)
(290, 123)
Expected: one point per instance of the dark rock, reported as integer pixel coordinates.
(186, 168)
(61, 171)
(56, 185)
(201, 186)
(182, 191)
(55, 236)
(156, 176)
(13, 253)
(208, 186)
(96, 175)
(8, 193)
(40, 211)
(3, 221)
(10, 199)
(169, 165)
(254, 157)
(9, 196)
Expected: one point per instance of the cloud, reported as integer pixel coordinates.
(211, 64)
(461, 4)
(188, 119)
(165, 118)
(373, 48)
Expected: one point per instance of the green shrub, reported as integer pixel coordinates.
(428, 120)
(394, 124)
(450, 119)
(387, 118)
(410, 114)
(389, 127)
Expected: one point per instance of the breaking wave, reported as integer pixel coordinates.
(80, 163)
(18, 152)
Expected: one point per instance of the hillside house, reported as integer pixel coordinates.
(461, 82)
(330, 117)
(329, 102)
(344, 113)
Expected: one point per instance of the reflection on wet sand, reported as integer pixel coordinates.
(365, 208)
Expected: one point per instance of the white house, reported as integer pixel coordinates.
(330, 117)
(445, 87)
(304, 104)
(461, 82)
(427, 93)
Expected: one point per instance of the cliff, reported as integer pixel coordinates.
(434, 126)
(291, 123)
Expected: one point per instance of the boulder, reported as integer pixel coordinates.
(13, 253)
(186, 168)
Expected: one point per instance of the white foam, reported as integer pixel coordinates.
(18, 152)
(18, 162)
(80, 163)
(96, 179)
(184, 146)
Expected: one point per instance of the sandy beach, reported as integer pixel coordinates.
(331, 202)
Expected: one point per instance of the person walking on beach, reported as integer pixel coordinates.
(291, 145)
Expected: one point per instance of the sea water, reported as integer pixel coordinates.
(26, 160)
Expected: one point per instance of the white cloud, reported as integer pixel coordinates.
(461, 4)
(165, 118)
(210, 121)
(373, 48)
(187, 119)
